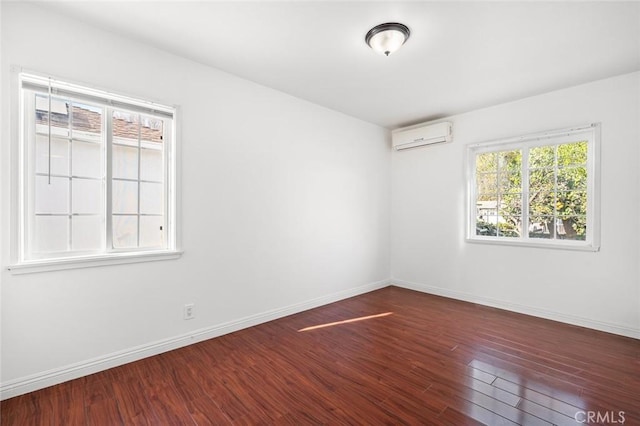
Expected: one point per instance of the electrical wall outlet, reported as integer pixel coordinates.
(189, 311)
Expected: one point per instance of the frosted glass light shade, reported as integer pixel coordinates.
(387, 38)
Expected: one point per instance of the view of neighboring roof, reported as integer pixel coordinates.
(88, 118)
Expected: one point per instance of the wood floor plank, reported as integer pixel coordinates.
(204, 411)
(481, 375)
(537, 397)
(234, 399)
(494, 392)
(559, 389)
(547, 413)
(103, 412)
(416, 407)
(68, 409)
(469, 409)
(488, 403)
(392, 356)
(168, 407)
(452, 417)
(20, 410)
(133, 408)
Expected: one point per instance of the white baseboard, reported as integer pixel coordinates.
(59, 375)
(522, 309)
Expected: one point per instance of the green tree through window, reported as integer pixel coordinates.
(558, 191)
(532, 192)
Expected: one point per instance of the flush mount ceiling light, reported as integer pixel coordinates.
(387, 38)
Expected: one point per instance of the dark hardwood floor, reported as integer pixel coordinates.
(402, 358)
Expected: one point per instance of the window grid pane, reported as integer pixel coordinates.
(64, 209)
(138, 181)
(557, 188)
(499, 193)
(543, 194)
(68, 175)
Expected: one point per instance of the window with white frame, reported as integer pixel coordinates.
(98, 174)
(538, 190)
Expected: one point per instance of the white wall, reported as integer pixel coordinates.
(429, 252)
(285, 206)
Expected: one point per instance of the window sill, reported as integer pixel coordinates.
(91, 261)
(554, 245)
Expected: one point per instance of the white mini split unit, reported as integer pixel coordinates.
(421, 134)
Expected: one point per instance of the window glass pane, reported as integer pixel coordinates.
(59, 155)
(510, 161)
(486, 222)
(509, 182)
(125, 142)
(541, 227)
(86, 122)
(487, 162)
(510, 205)
(571, 203)
(486, 214)
(493, 197)
(542, 157)
(499, 185)
(125, 162)
(126, 128)
(151, 198)
(572, 228)
(87, 159)
(59, 115)
(487, 183)
(124, 197)
(572, 154)
(51, 234)
(151, 129)
(86, 196)
(125, 231)
(51, 198)
(542, 204)
(87, 233)
(151, 165)
(571, 178)
(509, 226)
(542, 180)
(151, 233)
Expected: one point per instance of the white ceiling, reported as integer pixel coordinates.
(461, 55)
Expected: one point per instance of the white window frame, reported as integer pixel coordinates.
(590, 133)
(21, 177)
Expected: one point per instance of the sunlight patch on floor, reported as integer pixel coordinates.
(331, 324)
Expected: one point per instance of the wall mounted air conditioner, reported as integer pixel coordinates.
(421, 134)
